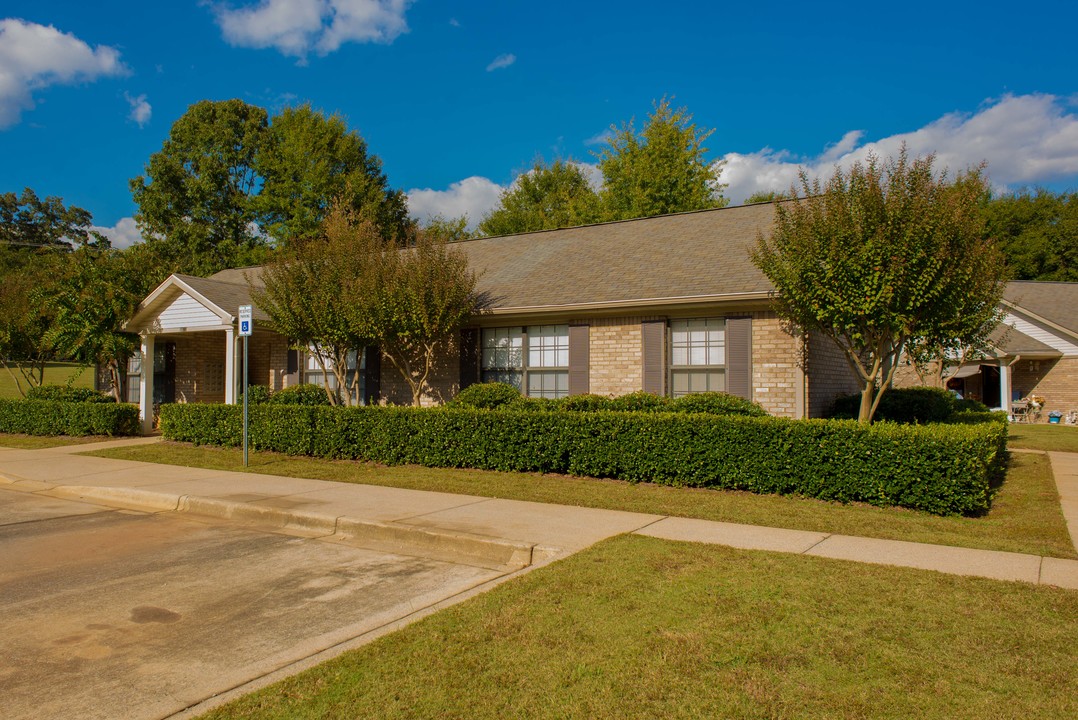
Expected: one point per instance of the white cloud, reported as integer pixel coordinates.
(502, 61)
(474, 196)
(141, 111)
(123, 234)
(1026, 139)
(454, 22)
(298, 27)
(35, 56)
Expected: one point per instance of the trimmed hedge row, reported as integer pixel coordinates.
(54, 417)
(943, 469)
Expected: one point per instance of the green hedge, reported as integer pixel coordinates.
(66, 393)
(943, 469)
(53, 417)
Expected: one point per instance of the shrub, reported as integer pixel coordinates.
(919, 405)
(943, 468)
(584, 403)
(716, 403)
(307, 394)
(966, 405)
(486, 396)
(66, 393)
(641, 401)
(256, 395)
(57, 417)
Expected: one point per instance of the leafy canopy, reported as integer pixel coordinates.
(230, 182)
(885, 258)
(1038, 233)
(662, 169)
(546, 197)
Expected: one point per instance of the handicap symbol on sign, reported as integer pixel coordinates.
(245, 327)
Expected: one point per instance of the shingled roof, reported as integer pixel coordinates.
(699, 255)
(1056, 302)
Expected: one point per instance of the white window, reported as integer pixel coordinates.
(134, 377)
(535, 359)
(697, 355)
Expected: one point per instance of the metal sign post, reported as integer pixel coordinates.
(246, 327)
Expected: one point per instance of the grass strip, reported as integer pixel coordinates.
(40, 442)
(1025, 516)
(1056, 438)
(641, 628)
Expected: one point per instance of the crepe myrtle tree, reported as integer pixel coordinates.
(414, 304)
(308, 293)
(355, 288)
(885, 258)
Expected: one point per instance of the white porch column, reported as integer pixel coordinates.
(1005, 387)
(145, 394)
(231, 367)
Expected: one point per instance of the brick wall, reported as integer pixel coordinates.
(615, 356)
(200, 367)
(1054, 380)
(775, 374)
(829, 375)
(268, 355)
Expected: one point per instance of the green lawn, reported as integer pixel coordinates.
(1061, 438)
(642, 628)
(1025, 516)
(55, 374)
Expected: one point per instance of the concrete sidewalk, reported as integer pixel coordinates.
(475, 530)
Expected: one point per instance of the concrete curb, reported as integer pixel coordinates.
(444, 545)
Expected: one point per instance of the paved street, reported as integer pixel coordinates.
(110, 613)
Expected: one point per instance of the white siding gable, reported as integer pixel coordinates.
(184, 312)
(1038, 332)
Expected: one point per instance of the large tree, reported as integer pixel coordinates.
(309, 161)
(26, 315)
(97, 293)
(544, 198)
(30, 223)
(884, 258)
(196, 199)
(1038, 232)
(662, 169)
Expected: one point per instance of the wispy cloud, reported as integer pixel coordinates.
(601, 139)
(502, 61)
(296, 28)
(454, 22)
(1026, 140)
(33, 56)
(141, 111)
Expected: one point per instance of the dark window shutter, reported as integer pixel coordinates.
(653, 336)
(372, 375)
(469, 357)
(739, 356)
(292, 363)
(579, 359)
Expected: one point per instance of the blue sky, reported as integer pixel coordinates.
(459, 98)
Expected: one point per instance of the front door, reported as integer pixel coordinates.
(990, 386)
(164, 373)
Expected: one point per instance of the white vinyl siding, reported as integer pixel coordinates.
(185, 312)
(697, 356)
(535, 360)
(1048, 337)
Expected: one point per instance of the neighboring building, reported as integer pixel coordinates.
(670, 305)
(1033, 352)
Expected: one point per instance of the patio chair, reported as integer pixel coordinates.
(1020, 411)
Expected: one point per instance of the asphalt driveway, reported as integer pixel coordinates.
(118, 614)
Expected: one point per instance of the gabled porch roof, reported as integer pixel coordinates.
(184, 303)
